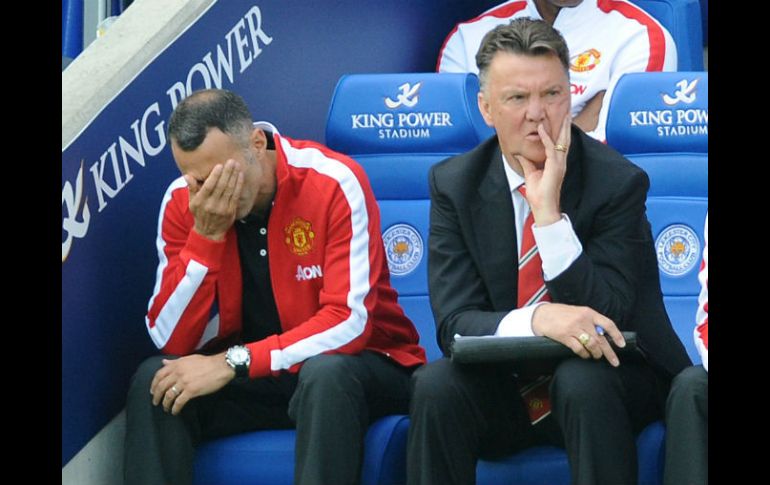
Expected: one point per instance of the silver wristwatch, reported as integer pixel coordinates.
(239, 358)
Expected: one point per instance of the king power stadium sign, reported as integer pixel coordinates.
(678, 118)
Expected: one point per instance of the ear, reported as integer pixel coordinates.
(258, 139)
(485, 109)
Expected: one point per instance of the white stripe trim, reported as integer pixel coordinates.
(536, 297)
(530, 254)
(169, 315)
(211, 331)
(541, 418)
(160, 243)
(177, 303)
(348, 330)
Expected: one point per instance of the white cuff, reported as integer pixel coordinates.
(518, 322)
(558, 246)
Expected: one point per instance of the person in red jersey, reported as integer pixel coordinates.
(272, 302)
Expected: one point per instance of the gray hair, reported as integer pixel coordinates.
(206, 109)
(521, 36)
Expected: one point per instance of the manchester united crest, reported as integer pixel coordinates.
(299, 236)
(585, 61)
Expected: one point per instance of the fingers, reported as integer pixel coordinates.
(165, 387)
(207, 189)
(598, 346)
(578, 348)
(173, 397)
(603, 348)
(170, 398)
(610, 329)
(547, 142)
(160, 383)
(179, 402)
(227, 181)
(565, 133)
(563, 138)
(596, 340)
(221, 181)
(236, 192)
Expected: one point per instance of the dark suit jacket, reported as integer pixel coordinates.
(472, 260)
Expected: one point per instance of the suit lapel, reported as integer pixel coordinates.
(495, 231)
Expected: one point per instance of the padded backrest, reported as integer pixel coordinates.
(397, 126)
(659, 121)
(682, 18)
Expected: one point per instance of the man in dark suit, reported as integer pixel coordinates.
(598, 266)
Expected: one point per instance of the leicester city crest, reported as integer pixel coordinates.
(403, 247)
(678, 249)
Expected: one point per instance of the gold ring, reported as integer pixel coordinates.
(560, 147)
(584, 338)
(176, 393)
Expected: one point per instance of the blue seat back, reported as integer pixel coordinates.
(397, 126)
(682, 18)
(659, 121)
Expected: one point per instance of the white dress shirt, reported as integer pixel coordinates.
(557, 244)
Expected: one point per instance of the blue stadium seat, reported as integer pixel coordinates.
(682, 18)
(365, 123)
(660, 122)
(437, 116)
(267, 457)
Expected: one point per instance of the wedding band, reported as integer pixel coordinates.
(560, 147)
(584, 338)
(176, 393)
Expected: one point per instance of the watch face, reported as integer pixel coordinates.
(238, 358)
(239, 355)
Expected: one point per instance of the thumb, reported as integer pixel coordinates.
(192, 184)
(527, 166)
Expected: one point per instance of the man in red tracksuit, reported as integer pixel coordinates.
(273, 288)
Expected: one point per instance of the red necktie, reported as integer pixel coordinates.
(531, 285)
(532, 290)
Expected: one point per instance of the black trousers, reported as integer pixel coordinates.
(460, 413)
(687, 438)
(332, 402)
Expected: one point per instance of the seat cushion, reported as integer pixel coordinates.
(267, 457)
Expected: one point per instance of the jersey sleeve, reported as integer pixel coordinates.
(180, 306)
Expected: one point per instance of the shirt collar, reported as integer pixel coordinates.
(514, 179)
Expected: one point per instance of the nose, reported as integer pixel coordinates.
(535, 111)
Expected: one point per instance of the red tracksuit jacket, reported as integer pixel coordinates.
(327, 266)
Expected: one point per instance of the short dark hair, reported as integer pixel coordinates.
(206, 109)
(521, 36)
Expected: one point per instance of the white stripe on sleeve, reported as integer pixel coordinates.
(176, 304)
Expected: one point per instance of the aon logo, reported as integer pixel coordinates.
(309, 272)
